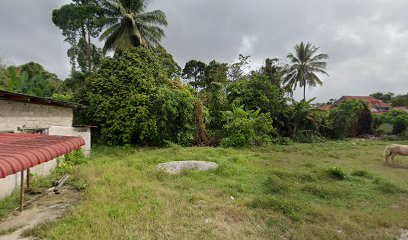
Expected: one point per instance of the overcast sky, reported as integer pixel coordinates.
(367, 40)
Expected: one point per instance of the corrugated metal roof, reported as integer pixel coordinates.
(19, 151)
(372, 102)
(18, 97)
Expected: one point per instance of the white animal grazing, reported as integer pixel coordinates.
(394, 150)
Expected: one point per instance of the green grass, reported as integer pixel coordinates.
(332, 190)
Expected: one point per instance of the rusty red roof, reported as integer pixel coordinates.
(372, 102)
(19, 151)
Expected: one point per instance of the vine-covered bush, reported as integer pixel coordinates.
(306, 122)
(400, 124)
(247, 128)
(258, 92)
(350, 119)
(132, 100)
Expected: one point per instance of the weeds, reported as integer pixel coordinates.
(387, 187)
(275, 185)
(277, 191)
(336, 173)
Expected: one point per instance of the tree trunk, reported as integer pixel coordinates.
(89, 50)
(304, 92)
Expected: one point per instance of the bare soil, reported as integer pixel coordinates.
(47, 208)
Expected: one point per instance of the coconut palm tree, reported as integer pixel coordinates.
(306, 63)
(128, 25)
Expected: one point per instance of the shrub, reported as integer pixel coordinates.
(282, 141)
(336, 173)
(350, 119)
(307, 136)
(306, 122)
(385, 128)
(246, 128)
(76, 157)
(400, 124)
(257, 91)
(395, 122)
(70, 160)
(132, 100)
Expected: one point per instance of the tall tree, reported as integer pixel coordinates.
(80, 21)
(130, 26)
(306, 63)
(274, 69)
(194, 72)
(237, 69)
(216, 74)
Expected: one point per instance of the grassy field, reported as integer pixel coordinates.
(332, 190)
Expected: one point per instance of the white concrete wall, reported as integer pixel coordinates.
(16, 114)
(83, 132)
(9, 184)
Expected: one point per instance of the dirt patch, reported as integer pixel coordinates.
(49, 207)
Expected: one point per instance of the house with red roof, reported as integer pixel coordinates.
(375, 105)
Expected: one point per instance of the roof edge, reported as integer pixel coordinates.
(18, 97)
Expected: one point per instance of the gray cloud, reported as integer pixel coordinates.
(366, 39)
(28, 34)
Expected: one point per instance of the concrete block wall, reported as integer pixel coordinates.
(17, 114)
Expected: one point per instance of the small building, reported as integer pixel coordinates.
(20, 113)
(375, 105)
(30, 114)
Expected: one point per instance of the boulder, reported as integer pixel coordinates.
(179, 166)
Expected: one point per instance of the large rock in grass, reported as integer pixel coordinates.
(178, 167)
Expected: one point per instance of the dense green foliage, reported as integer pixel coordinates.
(133, 100)
(395, 100)
(30, 78)
(258, 92)
(350, 119)
(398, 120)
(247, 128)
(306, 124)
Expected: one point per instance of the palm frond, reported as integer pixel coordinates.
(130, 25)
(156, 17)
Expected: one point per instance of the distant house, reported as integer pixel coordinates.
(375, 105)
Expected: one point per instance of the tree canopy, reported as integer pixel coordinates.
(129, 25)
(80, 22)
(30, 78)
